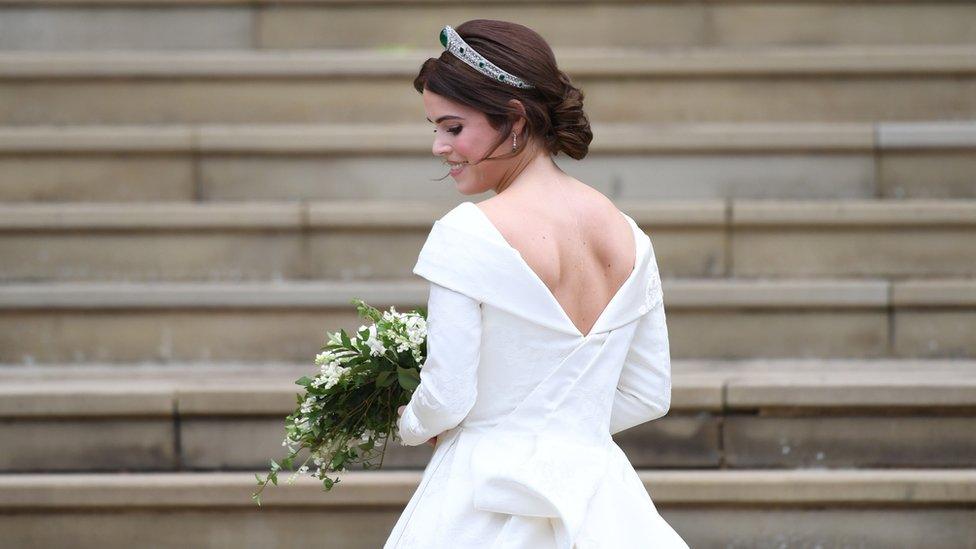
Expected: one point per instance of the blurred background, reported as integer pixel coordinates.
(192, 191)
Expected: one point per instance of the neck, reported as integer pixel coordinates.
(536, 170)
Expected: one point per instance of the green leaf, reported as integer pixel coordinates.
(304, 381)
(408, 377)
(385, 379)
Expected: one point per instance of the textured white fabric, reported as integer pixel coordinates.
(523, 403)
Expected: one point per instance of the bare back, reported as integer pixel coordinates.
(578, 244)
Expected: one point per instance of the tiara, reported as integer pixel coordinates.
(453, 43)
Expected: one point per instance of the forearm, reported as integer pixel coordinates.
(425, 417)
(644, 390)
(448, 377)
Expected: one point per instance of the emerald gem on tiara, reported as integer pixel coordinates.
(453, 42)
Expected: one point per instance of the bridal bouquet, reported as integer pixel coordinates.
(349, 409)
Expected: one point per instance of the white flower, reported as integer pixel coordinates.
(323, 357)
(290, 443)
(331, 374)
(291, 479)
(307, 404)
(376, 347)
(392, 315)
(408, 333)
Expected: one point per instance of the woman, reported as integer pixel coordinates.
(546, 326)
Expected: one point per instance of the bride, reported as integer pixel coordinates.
(546, 325)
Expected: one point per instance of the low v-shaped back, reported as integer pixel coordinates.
(530, 404)
(545, 287)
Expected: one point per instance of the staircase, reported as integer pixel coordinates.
(192, 192)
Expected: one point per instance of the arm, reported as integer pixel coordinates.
(644, 389)
(448, 377)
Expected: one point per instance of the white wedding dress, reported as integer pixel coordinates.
(523, 404)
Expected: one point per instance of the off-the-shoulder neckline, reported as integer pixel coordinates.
(538, 280)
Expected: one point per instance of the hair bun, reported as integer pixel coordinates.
(552, 110)
(570, 125)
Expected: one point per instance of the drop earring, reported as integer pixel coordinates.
(513, 142)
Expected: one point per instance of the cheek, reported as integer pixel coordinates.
(464, 145)
(471, 145)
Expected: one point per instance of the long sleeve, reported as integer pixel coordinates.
(644, 389)
(448, 377)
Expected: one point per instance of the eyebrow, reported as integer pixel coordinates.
(446, 117)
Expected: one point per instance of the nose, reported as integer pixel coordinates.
(440, 148)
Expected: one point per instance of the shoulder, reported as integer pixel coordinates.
(457, 254)
(462, 215)
(579, 207)
(584, 199)
(470, 220)
(450, 231)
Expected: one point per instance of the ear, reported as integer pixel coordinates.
(520, 122)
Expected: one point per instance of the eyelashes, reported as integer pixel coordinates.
(455, 130)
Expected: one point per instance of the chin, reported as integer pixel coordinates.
(468, 190)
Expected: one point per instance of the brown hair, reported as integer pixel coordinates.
(553, 108)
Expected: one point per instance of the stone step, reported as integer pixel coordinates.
(788, 160)
(239, 24)
(286, 320)
(812, 83)
(873, 509)
(379, 240)
(724, 414)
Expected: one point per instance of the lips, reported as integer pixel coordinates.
(455, 170)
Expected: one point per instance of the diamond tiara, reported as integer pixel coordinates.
(453, 43)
